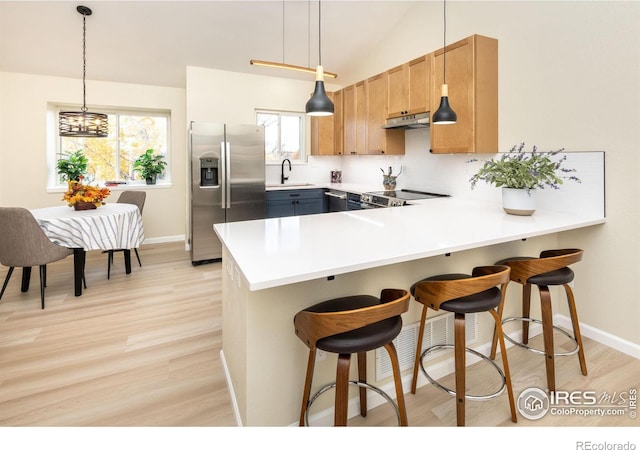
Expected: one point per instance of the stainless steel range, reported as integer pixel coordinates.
(402, 197)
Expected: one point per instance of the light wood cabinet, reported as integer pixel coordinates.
(327, 131)
(354, 104)
(472, 77)
(409, 87)
(323, 133)
(338, 147)
(379, 140)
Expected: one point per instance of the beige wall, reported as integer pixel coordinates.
(23, 143)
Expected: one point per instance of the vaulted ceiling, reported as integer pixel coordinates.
(151, 42)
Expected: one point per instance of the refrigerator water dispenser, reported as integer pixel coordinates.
(209, 171)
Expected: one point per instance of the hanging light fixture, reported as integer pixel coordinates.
(282, 65)
(83, 123)
(444, 115)
(319, 104)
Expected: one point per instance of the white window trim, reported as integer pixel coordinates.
(303, 135)
(53, 146)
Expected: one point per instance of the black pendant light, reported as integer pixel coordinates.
(319, 104)
(83, 123)
(444, 115)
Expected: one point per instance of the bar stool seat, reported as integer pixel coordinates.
(550, 269)
(347, 325)
(463, 294)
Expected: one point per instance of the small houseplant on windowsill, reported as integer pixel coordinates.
(519, 174)
(73, 167)
(149, 166)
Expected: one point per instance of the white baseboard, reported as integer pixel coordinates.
(164, 239)
(232, 392)
(608, 339)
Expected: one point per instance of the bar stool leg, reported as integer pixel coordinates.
(460, 366)
(362, 377)
(576, 327)
(397, 378)
(342, 390)
(547, 332)
(307, 386)
(499, 335)
(423, 320)
(526, 312)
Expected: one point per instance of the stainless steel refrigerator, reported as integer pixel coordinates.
(227, 182)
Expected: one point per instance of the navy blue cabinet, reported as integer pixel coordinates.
(295, 202)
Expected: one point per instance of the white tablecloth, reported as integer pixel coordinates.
(110, 227)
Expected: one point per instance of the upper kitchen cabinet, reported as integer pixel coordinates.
(472, 77)
(379, 140)
(409, 87)
(326, 131)
(323, 133)
(354, 115)
(338, 136)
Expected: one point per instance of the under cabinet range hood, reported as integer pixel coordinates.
(409, 121)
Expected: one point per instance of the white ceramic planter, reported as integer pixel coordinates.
(519, 202)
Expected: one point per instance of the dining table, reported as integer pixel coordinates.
(113, 226)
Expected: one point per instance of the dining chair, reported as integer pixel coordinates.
(134, 198)
(24, 244)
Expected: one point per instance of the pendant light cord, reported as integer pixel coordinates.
(84, 62)
(444, 50)
(319, 35)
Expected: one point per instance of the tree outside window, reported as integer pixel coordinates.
(283, 135)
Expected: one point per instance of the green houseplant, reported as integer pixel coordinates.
(149, 165)
(73, 166)
(520, 173)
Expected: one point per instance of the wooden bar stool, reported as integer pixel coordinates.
(550, 269)
(347, 325)
(462, 294)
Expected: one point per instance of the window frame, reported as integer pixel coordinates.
(304, 152)
(54, 144)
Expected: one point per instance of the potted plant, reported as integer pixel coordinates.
(149, 165)
(519, 174)
(73, 166)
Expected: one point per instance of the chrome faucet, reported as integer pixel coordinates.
(282, 177)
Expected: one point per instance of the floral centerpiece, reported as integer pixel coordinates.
(84, 196)
(518, 170)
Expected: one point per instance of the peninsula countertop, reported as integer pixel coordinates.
(276, 252)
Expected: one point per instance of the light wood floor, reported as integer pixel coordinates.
(143, 350)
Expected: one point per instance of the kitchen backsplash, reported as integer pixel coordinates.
(448, 174)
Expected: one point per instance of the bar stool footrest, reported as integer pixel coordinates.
(330, 386)
(452, 392)
(535, 350)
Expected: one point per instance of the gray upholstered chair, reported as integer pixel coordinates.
(24, 244)
(135, 198)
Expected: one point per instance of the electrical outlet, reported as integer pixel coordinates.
(321, 355)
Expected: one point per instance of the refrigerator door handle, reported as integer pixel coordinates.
(227, 171)
(223, 174)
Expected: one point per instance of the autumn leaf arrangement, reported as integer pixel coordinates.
(78, 192)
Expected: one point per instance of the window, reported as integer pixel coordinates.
(284, 137)
(131, 133)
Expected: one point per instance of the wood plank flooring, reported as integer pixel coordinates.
(143, 350)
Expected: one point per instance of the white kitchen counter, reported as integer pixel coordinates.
(277, 252)
(273, 268)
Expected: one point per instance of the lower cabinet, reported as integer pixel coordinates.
(295, 202)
